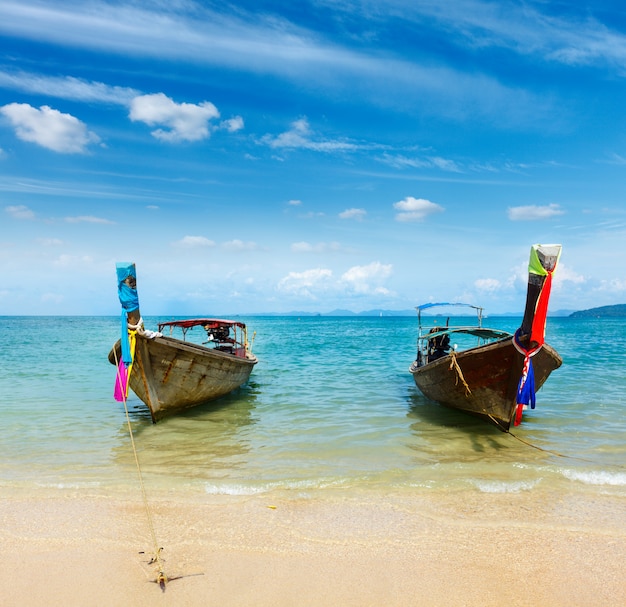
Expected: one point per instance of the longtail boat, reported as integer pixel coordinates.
(494, 374)
(168, 373)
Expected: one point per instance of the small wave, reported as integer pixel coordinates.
(596, 478)
(66, 485)
(504, 487)
(233, 490)
(301, 485)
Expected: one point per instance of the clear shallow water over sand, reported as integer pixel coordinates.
(330, 408)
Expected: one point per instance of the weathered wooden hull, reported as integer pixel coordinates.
(170, 375)
(491, 376)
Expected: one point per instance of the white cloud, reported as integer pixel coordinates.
(88, 219)
(182, 121)
(368, 279)
(20, 212)
(233, 124)
(534, 212)
(294, 203)
(300, 136)
(304, 283)
(415, 209)
(49, 128)
(195, 241)
(357, 214)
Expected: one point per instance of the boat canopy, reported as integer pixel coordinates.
(433, 305)
(211, 323)
(476, 331)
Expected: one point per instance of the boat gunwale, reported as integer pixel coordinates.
(196, 348)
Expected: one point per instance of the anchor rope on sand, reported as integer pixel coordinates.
(161, 578)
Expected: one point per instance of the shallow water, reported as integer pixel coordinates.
(330, 406)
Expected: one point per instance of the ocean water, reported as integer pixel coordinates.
(330, 407)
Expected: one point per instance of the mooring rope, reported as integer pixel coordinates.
(550, 451)
(161, 578)
(455, 364)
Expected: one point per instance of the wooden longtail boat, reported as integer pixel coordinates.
(170, 374)
(497, 373)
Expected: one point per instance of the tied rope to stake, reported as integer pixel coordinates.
(127, 292)
(161, 578)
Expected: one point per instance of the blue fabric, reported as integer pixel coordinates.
(130, 301)
(526, 389)
(128, 296)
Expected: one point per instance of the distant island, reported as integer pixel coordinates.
(616, 311)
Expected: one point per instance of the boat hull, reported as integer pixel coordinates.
(484, 380)
(170, 375)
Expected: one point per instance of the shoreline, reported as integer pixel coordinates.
(341, 548)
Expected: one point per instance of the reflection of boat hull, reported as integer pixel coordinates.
(169, 375)
(484, 380)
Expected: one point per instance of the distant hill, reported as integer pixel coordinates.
(616, 311)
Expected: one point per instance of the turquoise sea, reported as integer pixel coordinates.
(330, 407)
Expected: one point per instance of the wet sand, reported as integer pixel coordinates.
(462, 549)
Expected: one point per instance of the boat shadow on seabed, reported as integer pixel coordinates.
(432, 421)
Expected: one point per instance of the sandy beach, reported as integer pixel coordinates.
(469, 549)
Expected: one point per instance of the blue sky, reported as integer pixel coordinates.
(268, 156)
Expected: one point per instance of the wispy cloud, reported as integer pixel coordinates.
(357, 214)
(20, 212)
(263, 43)
(319, 247)
(89, 219)
(49, 128)
(573, 38)
(240, 245)
(488, 285)
(66, 87)
(300, 136)
(194, 241)
(534, 212)
(307, 283)
(50, 242)
(425, 162)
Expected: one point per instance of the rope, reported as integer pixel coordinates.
(550, 451)
(161, 578)
(455, 364)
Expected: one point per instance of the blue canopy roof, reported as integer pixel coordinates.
(432, 305)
